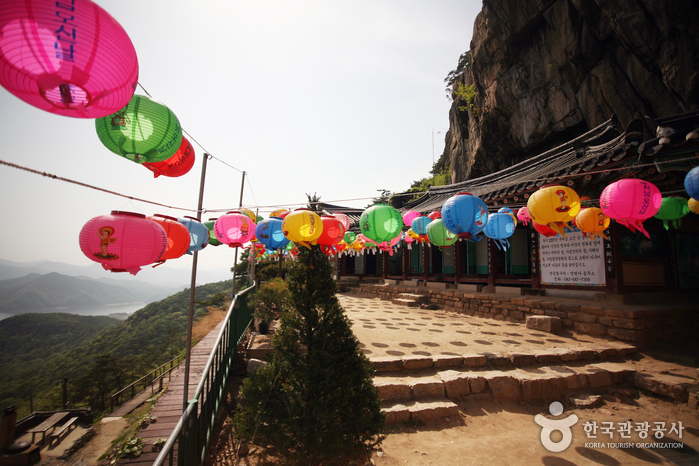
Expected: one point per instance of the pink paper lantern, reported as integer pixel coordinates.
(631, 201)
(523, 215)
(344, 219)
(123, 241)
(234, 229)
(409, 216)
(67, 57)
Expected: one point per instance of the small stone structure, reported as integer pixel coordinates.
(641, 324)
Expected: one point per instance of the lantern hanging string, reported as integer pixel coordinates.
(191, 138)
(85, 185)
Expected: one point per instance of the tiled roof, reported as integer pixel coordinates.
(581, 163)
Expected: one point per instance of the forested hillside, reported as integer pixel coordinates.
(98, 355)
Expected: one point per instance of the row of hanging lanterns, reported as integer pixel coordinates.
(127, 241)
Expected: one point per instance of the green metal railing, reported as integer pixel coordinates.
(152, 379)
(188, 443)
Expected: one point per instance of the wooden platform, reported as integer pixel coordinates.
(168, 408)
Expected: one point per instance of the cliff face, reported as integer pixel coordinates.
(545, 71)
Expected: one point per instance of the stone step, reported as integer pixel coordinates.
(543, 383)
(424, 410)
(405, 302)
(502, 360)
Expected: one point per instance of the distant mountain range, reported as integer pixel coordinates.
(164, 275)
(56, 291)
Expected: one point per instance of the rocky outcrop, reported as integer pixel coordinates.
(546, 71)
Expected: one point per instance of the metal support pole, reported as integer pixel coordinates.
(192, 289)
(235, 260)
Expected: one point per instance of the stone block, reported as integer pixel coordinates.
(637, 336)
(410, 283)
(546, 357)
(582, 317)
(590, 329)
(387, 364)
(397, 413)
(477, 383)
(254, 364)
(664, 385)
(509, 290)
(464, 288)
(436, 285)
(693, 398)
(497, 359)
(504, 387)
(474, 360)
(390, 390)
(417, 363)
(427, 389)
(598, 377)
(548, 388)
(456, 383)
(522, 359)
(544, 323)
(445, 360)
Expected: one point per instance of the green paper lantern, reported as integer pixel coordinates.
(438, 234)
(380, 223)
(212, 236)
(143, 131)
(672, 209)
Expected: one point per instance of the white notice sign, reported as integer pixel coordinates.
(573, 260)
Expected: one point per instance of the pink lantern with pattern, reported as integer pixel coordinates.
(234, 229)
(123, 241)
(66, 57)
(631, 201)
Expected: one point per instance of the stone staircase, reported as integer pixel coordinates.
(430, 388)
(409, 299)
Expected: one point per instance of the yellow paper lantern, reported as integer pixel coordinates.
(693, 205)
(302, 226)
(593, 222)
(554, 206)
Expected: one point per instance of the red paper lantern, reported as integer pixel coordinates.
(123, 241)
(333, 231)
(544, 230)
(177, 165)
(234, 229)
(177, 237)
(66, 57)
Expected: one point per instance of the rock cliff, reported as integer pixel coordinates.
(541, 72)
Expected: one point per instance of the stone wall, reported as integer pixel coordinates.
(640, 324)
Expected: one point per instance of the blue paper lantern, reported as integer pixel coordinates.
(419, 224)
(466, 215)
(691, 183)
(198, 234)
(269, 232)
(500, 226)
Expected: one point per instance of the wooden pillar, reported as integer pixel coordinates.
(384, 254)
(534, 258)
(457, 260)
(406, 261)
(426, 260)
(492, 261)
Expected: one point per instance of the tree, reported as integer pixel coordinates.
(314, 203)
(315, 400)
(384, 198)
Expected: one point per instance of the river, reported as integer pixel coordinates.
(85, 311)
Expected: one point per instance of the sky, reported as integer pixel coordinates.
(337, 98)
